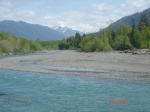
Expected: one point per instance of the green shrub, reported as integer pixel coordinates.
(122, 43)
(6, 46)
(104, 44)
(63, 44)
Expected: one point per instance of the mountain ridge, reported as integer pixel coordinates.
(34, 31)
(136, 16)
(128, 20)
(29, 31)
(45, 33)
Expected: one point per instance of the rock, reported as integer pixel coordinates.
(136, 51)
(28, 101)
(10, 54)
(141, 51)
(3, 54)
(2, 94)
(127, 51)
(120, 51)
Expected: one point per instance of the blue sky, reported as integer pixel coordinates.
(83, 15)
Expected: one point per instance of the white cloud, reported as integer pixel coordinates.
(5, 9)
(27, 15)
(96, 16)
(102, 6)
(6, 6)
(139, 3)
(86, 27)
(104, 12)
(99, 15)
(73, 14)
(51, 17)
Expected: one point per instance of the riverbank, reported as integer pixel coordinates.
(111, 61)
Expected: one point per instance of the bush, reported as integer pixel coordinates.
(35, 46)
(6, 46)
(122, 43)
(63, 44)
(104, 44)
(93, 43)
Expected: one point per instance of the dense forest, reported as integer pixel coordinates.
(121, 38)
(15, 45)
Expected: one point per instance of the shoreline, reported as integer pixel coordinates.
(111, 61)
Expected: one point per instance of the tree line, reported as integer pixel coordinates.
(12, 44)
(122, 38)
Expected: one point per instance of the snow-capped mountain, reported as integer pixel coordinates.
(66, 31)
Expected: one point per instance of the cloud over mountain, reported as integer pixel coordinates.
(83, 15)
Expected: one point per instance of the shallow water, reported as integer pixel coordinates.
(35, 65)
(116, 73)
(69, 93)
(40, 53)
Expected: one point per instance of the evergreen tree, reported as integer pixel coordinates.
(102, 32)
(132, 32)
(71, 42)
(113, 35)
(77, 39)
(110, 34)
(144, 22)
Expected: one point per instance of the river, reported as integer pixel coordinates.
(38, 92)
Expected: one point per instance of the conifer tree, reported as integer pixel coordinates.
(132, 32)
(144, 22)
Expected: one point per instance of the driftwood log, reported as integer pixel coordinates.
(137, 52)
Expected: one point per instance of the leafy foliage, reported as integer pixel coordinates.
(12, 44)
(122, 42)
(63, 44)
(50, 45)
(6, 46)
(125, 37)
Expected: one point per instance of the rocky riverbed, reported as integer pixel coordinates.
(111, 61)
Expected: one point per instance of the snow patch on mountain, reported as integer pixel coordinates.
(66, 31)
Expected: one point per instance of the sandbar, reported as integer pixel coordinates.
(110, 61)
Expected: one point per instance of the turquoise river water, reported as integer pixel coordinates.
(37, 92)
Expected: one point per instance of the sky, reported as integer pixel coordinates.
(82, 15)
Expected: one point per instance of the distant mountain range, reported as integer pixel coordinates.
(35, 31)
(44, 33)
(66, 31)
(128, 19)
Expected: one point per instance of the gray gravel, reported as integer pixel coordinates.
(112, 61)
